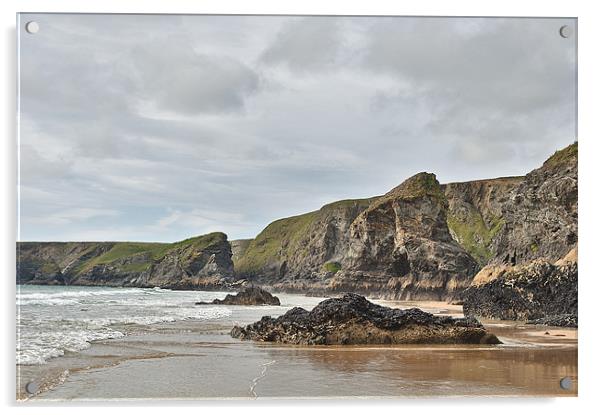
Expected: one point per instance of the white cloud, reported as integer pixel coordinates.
(69, 216)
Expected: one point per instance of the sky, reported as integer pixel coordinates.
(163, 127)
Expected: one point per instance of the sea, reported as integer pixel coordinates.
(54, 319)
(90, 343)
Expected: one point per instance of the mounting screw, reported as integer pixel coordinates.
(31, 387)
(565, 31)
(566, 383)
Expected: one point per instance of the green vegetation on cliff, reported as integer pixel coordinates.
(419, 186)
(562, 156)
(274, 242)
(147, 252)
(332, 267)
(474, 235)
(284, 238)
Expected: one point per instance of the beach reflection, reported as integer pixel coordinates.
(423, 370)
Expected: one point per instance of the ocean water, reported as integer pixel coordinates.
(54, 319)
(189, 353)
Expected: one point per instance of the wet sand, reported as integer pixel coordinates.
(196, 360)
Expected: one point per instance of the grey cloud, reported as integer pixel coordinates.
(179, 125)
(180, 80)
(306, 44)
(501, 61)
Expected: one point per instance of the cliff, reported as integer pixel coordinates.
(301, 246)
(533, 270)
(422, 240)
(393, 246)
(475, 216)
(200, 262)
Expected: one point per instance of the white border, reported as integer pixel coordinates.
(590, 93)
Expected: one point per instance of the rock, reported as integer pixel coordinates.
(559, 320)
(532, 291)
(540, 216)
(249, 296)
(352, 319)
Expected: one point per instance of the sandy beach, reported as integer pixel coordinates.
(199, 360)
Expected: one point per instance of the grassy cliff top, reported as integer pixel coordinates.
(418, 186)
(563, 156)
(497, 180)
(153, 250)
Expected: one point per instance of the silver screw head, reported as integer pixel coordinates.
(566, 31)
(31, 387)
(566, 383)
(32, 27)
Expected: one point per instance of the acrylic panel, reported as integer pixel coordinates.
(296, 206)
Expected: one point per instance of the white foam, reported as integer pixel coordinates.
(47, 301)
(58, 319)
(79, 294)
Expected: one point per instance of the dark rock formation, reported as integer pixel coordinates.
(535, 290)
(352, 319)
(200, 262)
(249, 296)
(559, 320)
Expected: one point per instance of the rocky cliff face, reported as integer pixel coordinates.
(401, 243)
(421, 240)
(475, 216)
(301, 247)
(239, 247)
(201, 262)
(540, 216)
(394, 246)
(533, 270)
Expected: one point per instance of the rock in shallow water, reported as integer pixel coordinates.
(250, 296)
(352, 319)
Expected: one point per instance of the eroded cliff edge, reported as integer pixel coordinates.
(201, 262)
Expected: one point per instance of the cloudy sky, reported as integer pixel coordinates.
(158, 128)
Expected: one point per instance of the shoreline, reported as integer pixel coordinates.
(178, 346)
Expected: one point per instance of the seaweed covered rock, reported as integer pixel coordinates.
(352, 319)
(249, 296)
(559, 320)
(539, 291)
